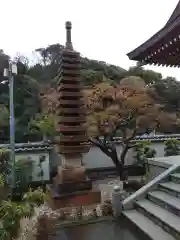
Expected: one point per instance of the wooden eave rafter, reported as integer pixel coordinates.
(163, 48)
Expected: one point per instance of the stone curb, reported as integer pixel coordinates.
(83, 222)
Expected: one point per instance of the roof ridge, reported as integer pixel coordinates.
(174, 15)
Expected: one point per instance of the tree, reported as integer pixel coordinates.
(149, 76)
(4, 122)
(169, 92)
(4, 116)
(123, 108)
(46, 67)
(42, 75)
(44, 124)
(26, 100)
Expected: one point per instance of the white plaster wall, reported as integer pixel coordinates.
(96, 158)
(36, 168)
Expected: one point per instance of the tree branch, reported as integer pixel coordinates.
(98, 143)
(132, 136)
(109, 149)
(131, 146)
(123, 124)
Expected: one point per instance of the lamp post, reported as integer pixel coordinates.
(9, 73)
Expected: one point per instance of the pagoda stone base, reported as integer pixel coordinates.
(71, 187)
(67, 174)
(58, 200)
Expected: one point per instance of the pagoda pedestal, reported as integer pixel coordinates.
(71, 187)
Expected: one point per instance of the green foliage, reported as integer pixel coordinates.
(42, 158)
(23, 174)
(33, 79)
(11, 212)
(148, 76)
(172, 147)
(1, 180)
(35, 197)
(94, 72)
(4, 116)
(44, 124)
(4, 162)
(10, 215)
(26, 102)
(169, 92)
(143, 152)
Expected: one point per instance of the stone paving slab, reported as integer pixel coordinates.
(106, 231)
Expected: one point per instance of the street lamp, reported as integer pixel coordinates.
(9, 74)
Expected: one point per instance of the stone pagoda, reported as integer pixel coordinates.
(71, 186)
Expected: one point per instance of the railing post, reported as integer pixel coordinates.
(117, 198)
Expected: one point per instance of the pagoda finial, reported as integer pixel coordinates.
(68, 35)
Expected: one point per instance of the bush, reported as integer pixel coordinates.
(1, 180)
(143, 152)
(10, 216)
(4, 162)
(172, 147)
(23, 177)
(35, 197)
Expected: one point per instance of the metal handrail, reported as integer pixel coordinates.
(129, 201)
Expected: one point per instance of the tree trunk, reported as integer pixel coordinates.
(124, 152)
(118, 164)
(111, 152)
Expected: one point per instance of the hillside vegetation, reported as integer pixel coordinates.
(96, 77)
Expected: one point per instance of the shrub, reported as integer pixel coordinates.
(172, 147)
(35, 197)
(23, 176)
(10, 216)
(1, 180)
(143, 152)
(4, 162)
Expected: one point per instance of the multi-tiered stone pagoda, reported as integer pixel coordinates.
(71, 108)
(71, 186)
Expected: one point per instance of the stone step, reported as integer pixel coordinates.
(166, 201)
(165, 219)
(175, 177)
(171, 188)
(150, 229)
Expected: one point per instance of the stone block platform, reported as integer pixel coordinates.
(79, 198)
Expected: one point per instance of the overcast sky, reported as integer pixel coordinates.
(103, 30)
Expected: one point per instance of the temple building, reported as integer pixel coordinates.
(163, 48)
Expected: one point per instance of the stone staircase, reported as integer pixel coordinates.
(157, 215)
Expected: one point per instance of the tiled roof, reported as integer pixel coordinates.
(155, 138)
(41, 146)
(33, 146)
(163, 46)
(174, 15)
